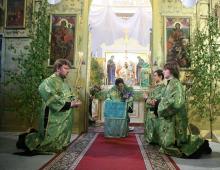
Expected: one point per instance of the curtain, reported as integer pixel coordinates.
(105, 26)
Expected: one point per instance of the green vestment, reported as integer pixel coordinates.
(151, 120)
(174, 139)
(55, 123)
(116, 95)
(119, 127)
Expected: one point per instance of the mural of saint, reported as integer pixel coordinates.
(123, 73)
(15, 14)
(111, 70)
(62, 38)
(1, 16)
(138, 69)
(174, 42)
(127, 73)
(182, 57)
(131, 74)
(129, 67)
(177, 40)
(0, 55)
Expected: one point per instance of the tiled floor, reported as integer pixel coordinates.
(9, 161)
(207, 162)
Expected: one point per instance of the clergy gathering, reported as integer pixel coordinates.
(110, 84)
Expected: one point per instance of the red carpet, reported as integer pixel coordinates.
(113, 154)
(92, 151)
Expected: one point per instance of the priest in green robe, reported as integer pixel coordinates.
(122, 93)
(56, 119)
(174, 137)
(151, 122)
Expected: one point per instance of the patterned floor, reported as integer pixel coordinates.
(154, 159)
(9, 161)
(100, 129)
(71, 157)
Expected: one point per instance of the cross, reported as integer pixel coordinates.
(126, 40)
(126, 35)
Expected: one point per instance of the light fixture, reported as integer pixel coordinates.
(189, 3)
(53, 2)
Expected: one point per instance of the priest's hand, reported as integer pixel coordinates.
(145, 96)
(75, 103)
(151, 102)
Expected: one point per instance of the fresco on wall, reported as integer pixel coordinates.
(15, 15)
(62, 37)
(134, 68)
(1, 13)
(177, 40)
(0, 56)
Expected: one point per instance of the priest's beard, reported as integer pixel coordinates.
(62, 76)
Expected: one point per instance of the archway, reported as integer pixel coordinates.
(120, 32)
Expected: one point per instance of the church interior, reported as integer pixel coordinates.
(105, 40)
